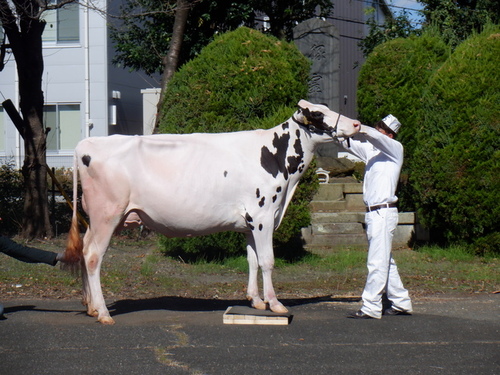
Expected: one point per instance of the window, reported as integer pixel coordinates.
(62, 24)
(64, 123)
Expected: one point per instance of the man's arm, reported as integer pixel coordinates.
(356, 145)
(25, 253)
(381, 142)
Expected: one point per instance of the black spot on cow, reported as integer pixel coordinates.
(261, 227)
(285, 125)
(86, 160)
(278, 189)
(249, 219)
(262, 202)
(315, 117)
(295, 161)
(225, 173)
(257, 193)
(297, 146)
(274, 198)
(293, 164)
(275, 163)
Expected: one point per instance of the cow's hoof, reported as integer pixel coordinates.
(259, 304)
(93, 313)
(106, 320)
(279, 308)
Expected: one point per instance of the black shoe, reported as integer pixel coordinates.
(393, 311)
(359, 315)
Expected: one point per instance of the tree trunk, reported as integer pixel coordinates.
(170, 61)
(26, 45)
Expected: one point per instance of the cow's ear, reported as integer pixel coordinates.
(304, 104)
(300, 117)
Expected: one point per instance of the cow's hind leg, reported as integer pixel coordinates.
(94, 248)
(85, 291)
(253, 268)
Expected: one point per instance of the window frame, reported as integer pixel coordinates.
(64, 142)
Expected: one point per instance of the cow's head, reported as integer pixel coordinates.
(320, 119)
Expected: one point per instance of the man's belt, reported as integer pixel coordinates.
(379, 206)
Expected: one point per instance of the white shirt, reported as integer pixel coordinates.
(383, 157)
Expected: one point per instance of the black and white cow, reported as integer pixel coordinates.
(197, 184)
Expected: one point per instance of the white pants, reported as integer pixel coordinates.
(383, 273)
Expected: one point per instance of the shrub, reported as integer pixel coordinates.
(456, 164)
(242, 80)
(241, 76)
(11, 199)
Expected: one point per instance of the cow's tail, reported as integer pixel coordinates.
(73, 255)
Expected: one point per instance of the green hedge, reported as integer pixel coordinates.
(448, 105)
(240, 77)
(242, 80)
(456, 166)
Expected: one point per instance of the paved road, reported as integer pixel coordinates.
(186, 336)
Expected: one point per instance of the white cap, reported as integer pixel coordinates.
(392, 122)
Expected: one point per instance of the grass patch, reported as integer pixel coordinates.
(452, 253)
(136, 269)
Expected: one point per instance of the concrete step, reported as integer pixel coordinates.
(332, 240)
(336, 191)
(337, 217)
(326, 236)
(336, 228)
(350, 203)
(330, 192)
(353, 188)
(355, 217)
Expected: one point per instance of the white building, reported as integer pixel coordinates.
(85, 94)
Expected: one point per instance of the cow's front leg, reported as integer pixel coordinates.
(253, 268)
(265, 255)
(269, 294)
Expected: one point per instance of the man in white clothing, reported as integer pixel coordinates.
(383, 156)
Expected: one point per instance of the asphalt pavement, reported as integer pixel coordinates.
(170, 335)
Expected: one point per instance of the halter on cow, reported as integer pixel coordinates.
(196, 184)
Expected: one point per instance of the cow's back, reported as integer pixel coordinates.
(178, 184)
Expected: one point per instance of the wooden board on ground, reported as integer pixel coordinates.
(247, 315)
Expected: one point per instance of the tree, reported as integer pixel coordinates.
(171, 60)
(23, 26)
(392, 28)
(143, 38)
(457, 19)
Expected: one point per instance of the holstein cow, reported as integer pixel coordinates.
(197, 184)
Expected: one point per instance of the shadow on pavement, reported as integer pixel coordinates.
(126, 306)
